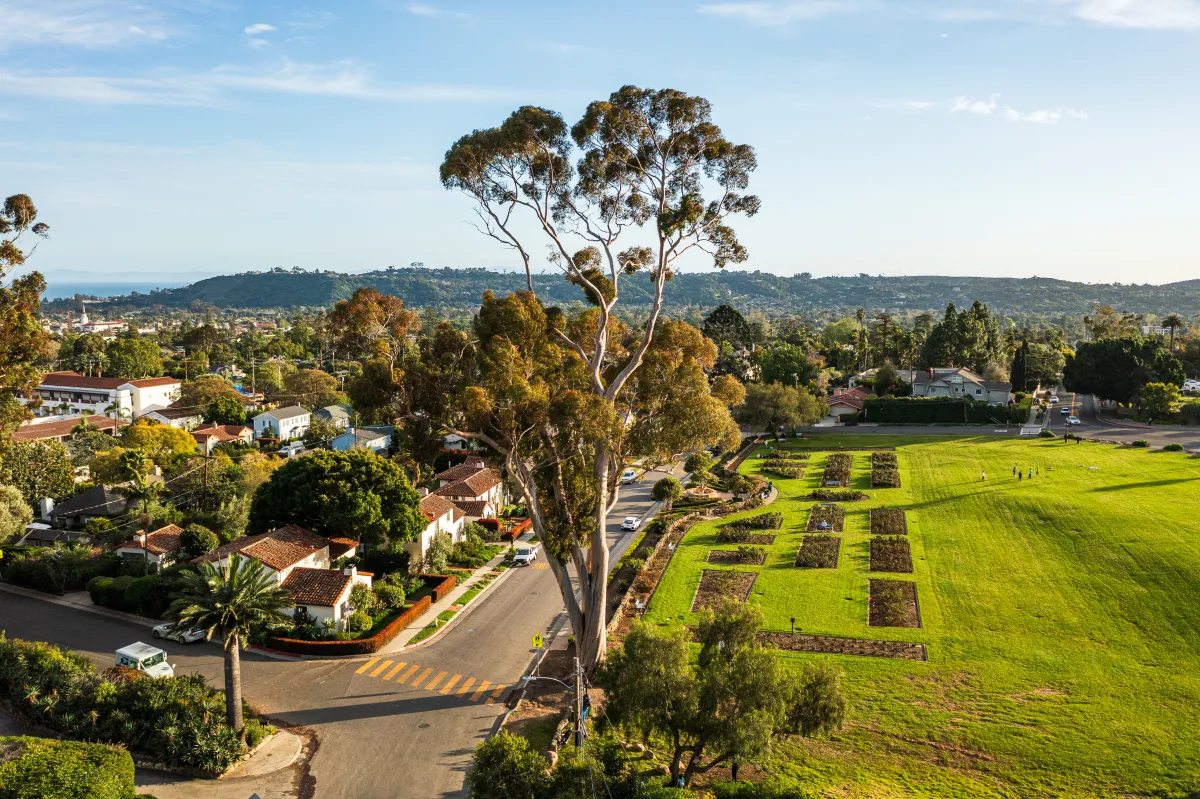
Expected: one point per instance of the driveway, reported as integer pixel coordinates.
(401, 726)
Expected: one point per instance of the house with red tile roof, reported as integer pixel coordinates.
(115, 396)
(847, 401)
(158, 548)
(210, 436)
(442, 516)
(480, 494)
(61, 429)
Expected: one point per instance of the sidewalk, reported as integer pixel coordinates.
(401, 641)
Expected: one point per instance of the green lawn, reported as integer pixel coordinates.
(1061, 617)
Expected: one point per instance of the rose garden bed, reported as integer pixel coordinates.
(889, 521)
(891, 554)
(826, 519)
(837, 470)
(893, 603)
(885, 477)
(834, 495)
(717, 584)
(786, 469)
(836, 645)
(819, 552)
(743, 555)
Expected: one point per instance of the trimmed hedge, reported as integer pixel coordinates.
(444, 587)
(357, 646)
(1173, 448)
(833, 495)
(43, 768)
(944, 410)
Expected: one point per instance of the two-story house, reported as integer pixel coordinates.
(286, 423)
(442, 516)
(104, 396)
(480, 495)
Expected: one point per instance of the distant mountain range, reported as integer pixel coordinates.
(744, 290)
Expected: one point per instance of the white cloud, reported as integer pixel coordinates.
(258, 44)
(348, 79)
(970, 106)
(1139, 14)
(259, 27)
(311, 20)
(422, 10)
(775, 14)
(94, 24)
(1042, 116)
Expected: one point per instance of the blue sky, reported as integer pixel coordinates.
(170, 139)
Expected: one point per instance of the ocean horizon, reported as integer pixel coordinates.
(57, 290)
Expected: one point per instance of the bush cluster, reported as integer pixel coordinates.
(818, 552)
(837, 469)
(148, 595)
(888, 521)
(1173, 448)
(43, 768)
(179, 721)
(58, 571)
(1141, 442)
(788, 469)
(827, 495)
(786, 455)
(831, 516)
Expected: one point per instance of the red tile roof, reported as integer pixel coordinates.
(434, 507)
(151, 382)
(277, 549)
(473, 507)
(340, 546)
(461, 471)
(474, 486)
(322, 587)
(161, 541)
(223, 432)
(63, 427)
(76, 380)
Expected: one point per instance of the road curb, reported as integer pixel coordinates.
(453, 621)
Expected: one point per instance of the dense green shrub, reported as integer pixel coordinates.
(764, 521)
(771, 789)
(944, 410)
(392, 596)
(358, 622)
(1141, 442)
(58, 571)
(178, 720)
(830, 495)
(148, 596)
(1047, 434)
(198, 540)
(43, 768)
(257, 732)
(1173, 448)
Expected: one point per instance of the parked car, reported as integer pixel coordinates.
(188, 636)
(525, 556)
(149, 660)
(291, 449)
(1191, 386)
(1073, 420)
(631, 523)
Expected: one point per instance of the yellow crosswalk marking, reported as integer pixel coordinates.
(541, 565)
(395, 670)
(495, 694)
(450, 685)
(408, 674)
(436, 681)
(424, 676)
(465, 686)
(381, 669)
(367, 665)
(483, 686)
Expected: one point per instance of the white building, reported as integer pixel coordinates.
(158, 547)
(480, 495)
(288, 423)
(104, 396)
(958, 383)
(361, 438)
(443, 516)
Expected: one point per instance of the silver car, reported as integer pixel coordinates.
(188, 636)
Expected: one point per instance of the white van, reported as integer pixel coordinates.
(149, 660)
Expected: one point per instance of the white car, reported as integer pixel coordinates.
(1053, 399)
(1191, 386)
(628, 476)
(1065, 411)
(188, 636)
(1073, 420)
(631, 523)
(525, 556)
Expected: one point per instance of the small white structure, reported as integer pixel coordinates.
(443, 516)
(324, 594)
(183, 418)
(149, 660)
(288, 423)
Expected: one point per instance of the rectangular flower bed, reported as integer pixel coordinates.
(837, 470)
(892, 603)
(786, 454)
(883, 459)
(717, 584)
(834, 495)
(746, 554)
(891, 554)
(826, 519)
(885, 477)
(738, 533)
(786, 469)
(770, 520)
(819, 552)
(888, 521)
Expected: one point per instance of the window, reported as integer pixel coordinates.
(979, 391)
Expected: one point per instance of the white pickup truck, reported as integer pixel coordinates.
(149, 660)
(525, 555)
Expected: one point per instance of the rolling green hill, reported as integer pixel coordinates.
(743, 289)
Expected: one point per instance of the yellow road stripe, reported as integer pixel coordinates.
(408, 674)
(424, 676)
(435, 681)
(483, 686)
(465, 686)
(367, 665)
(495, 694)
(381, 668)
(395, 670)
(453, 682)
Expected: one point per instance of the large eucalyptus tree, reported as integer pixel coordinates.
(642, 181)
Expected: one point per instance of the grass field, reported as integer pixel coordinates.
(1061, 617)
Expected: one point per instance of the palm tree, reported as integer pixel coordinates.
(1173, 321)
(227, 600)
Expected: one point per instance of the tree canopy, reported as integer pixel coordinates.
(1117, 368)
(355, 494)
(21, 335)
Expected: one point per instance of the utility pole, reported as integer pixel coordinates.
(252, 389)
(204, 500)
(578, 705)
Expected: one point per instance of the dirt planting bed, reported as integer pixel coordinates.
(717, 584)
(819, 552)
(743, 555)
(883, 459)
(790, 470)
(826, 519)
(837, 470)
(889, 521)
(891, 554)
(737, 534)
(833, 645)
(785, 455)
(893, 603)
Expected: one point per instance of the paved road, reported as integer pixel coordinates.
(399, 727)
(1092, 425)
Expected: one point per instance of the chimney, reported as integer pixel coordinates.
(422, 491)
(350, 571)
(46, 504)
(140, 537)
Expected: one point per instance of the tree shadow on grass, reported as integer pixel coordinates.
(1146, 484)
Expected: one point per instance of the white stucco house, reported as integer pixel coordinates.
(104, 396)
(158, 548)
(297, 560)
(288, 423)
(443, 516)
(480, 495)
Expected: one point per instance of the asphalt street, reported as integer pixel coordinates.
(402, 726)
